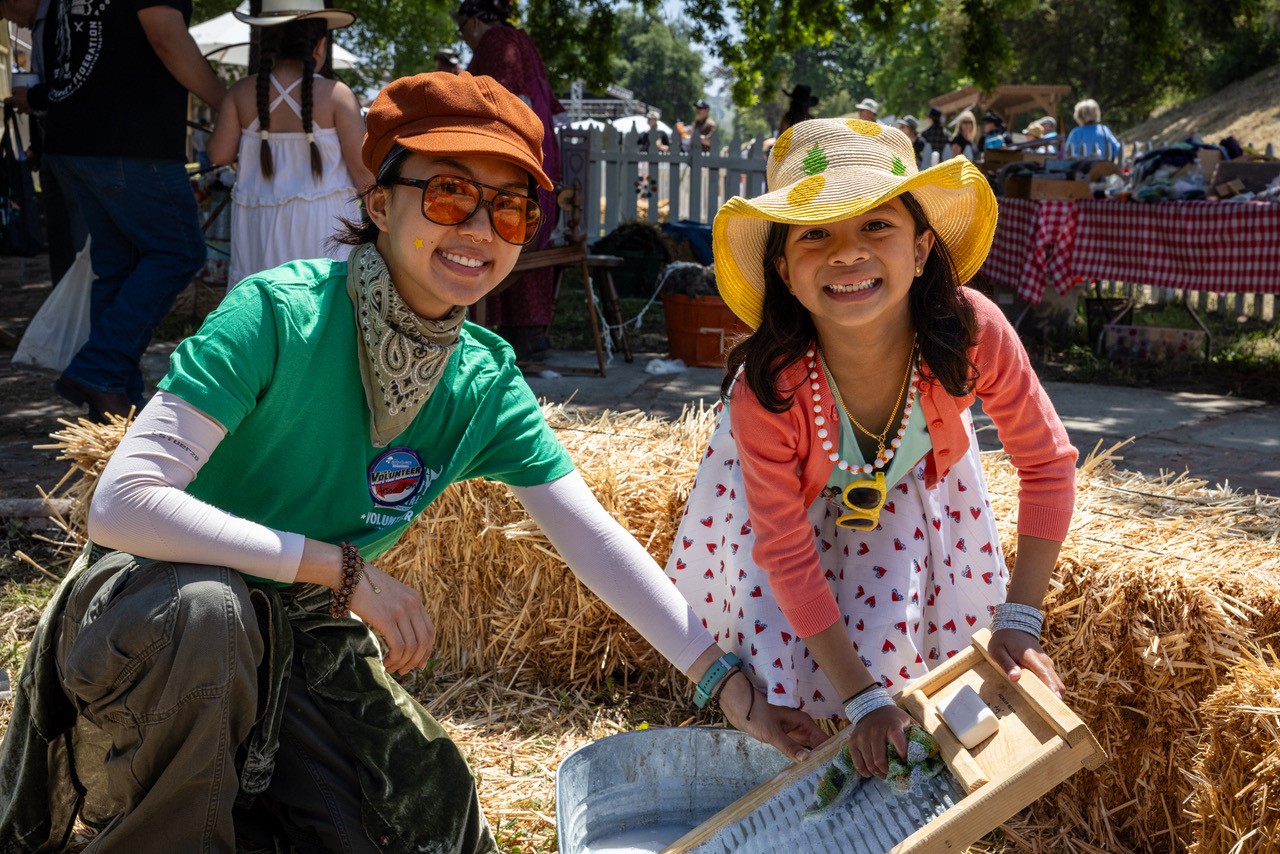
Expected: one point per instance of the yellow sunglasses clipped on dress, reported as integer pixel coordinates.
(864, 498)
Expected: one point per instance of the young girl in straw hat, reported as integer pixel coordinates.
(839, 537)
(298, 434)
(296, 136)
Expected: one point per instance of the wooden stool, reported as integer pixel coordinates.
(609, 301)
(561, 258)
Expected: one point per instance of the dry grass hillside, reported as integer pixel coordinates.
(1249, 110)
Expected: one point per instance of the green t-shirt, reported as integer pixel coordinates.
(276, 365)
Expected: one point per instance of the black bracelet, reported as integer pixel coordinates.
(715, 695)
(871, 687)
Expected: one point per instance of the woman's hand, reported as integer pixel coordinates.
(1014, 650)
(396, 612)
(869, 740)
(790, 730)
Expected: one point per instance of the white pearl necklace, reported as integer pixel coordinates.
(820, 421)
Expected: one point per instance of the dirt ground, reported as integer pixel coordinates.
(1249, 110)
(31, 409)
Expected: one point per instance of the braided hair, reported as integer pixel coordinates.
(297, 41)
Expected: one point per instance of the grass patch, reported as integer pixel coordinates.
(1245, 360)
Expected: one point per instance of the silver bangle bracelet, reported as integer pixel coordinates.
(864, 704)
(1022, 618)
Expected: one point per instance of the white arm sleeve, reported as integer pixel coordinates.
(140, 506)
(609, 561)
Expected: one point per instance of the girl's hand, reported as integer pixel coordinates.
(790, 730)
(398, 614)
(869, 740)
(1014, 650)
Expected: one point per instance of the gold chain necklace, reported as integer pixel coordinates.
(882, 437)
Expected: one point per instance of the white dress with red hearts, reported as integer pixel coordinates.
(912, 591)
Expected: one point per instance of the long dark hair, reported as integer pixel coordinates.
(295, 40)
(945, 325)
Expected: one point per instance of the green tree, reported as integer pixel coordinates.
(657, 61)
(577, 40)
(1129, 54)
(393, 38)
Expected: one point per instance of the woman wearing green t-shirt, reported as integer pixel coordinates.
(297, 435)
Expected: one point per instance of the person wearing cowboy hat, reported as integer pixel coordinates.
(115, 130)
(842, 487)
(296, 136)
(300, 431)
(868, 109)
(800, 108)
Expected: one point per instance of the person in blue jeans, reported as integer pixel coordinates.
(115, 133)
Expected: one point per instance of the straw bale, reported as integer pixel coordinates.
(1160, 585)
(1235, 802)
(1163, 585)
(531, 619)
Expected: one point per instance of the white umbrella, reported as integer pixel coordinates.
(587, 124)
(225, 39)
(639, 124)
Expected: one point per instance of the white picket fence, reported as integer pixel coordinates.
(630, 185)
(672, 186)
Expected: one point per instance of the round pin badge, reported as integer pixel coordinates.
(395, 477)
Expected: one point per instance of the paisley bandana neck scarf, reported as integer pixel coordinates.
(402, 355)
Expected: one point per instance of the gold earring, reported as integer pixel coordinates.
(919, 270)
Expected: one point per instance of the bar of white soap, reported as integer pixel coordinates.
(968, 717)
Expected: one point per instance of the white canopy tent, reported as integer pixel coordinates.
(225, 39)
(639, 124)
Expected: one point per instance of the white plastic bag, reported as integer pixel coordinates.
(61, 326)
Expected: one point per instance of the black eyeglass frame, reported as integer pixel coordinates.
(424, 183)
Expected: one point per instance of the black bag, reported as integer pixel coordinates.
(19, 212)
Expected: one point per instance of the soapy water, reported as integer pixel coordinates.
(639, 840)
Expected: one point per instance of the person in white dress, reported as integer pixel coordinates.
(297, 138)
(838, 538)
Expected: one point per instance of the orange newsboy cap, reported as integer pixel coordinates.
(441, 114)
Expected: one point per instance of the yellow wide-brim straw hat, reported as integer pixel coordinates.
(826, 170)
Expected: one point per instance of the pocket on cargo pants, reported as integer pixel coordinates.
(163, 658)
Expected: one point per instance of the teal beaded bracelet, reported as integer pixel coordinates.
(715, 673)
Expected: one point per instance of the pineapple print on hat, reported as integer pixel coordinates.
(865, 128)
(814, 163)
(782, 146)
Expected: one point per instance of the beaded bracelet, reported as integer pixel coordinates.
(867, 702)
(1022, 618)
(352, 569)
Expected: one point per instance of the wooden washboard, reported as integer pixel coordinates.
(1039, 744)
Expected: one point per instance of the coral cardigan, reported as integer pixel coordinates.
(784, 467)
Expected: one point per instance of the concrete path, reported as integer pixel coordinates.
(1222, 440)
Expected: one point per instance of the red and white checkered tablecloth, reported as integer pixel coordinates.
(1224, 247)
(1032, 242)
